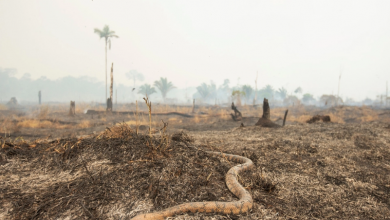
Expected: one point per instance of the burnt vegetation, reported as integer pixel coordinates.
(303, 170)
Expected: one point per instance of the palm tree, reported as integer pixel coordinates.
(307, 97)
(298, 90)
(282, 92)
(225, 85)
(107, 34)
(146, 89)
(236, 94)
(203, 90)
(212, 89)
(164, 86)
(135, 75)
(269, 89)
(266, 92)
(207, 91)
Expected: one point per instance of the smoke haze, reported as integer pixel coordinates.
(51, 46)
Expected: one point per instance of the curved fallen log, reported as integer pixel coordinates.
(233, 208)
(91, 112)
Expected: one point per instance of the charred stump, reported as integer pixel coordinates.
(72, 109)
(265, 120)
(266, 110)
(237, 114)
(109, 105)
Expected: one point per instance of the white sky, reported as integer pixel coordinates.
(290, 43)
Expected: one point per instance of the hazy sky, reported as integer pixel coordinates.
(289, 43)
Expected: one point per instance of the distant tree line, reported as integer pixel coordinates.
(70, 88)
(247, 94)
(90, 89)
(63, 89)
(163, 85)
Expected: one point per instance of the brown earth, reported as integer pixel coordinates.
(61, 167)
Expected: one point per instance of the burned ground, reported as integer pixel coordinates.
(106, 176)
(303, 171)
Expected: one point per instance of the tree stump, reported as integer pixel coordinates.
(109, 105)
(266, 110)
(265, 120)
(39, 96)
(72, 110)
(237, 114)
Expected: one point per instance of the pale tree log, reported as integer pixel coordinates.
(109, 100)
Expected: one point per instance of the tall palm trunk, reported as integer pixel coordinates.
(112, 81)
(106, 69)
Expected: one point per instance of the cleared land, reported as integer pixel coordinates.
(58, 167)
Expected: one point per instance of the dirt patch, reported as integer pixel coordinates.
(317, 118)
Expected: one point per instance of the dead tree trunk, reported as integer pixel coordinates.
(39, 96)
(285, 116)
(237, 114)
(193, 106)
(109, 100)
(112, 82)
(109, 105)
(266, 110)
(265, 120)
(72, 109)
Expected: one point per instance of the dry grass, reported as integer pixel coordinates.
(337, 118)
(168, 108)
(84, 124)
(3, 107)
(196, 120)
(341, 114)
(43, 112)
(81, 107)
(8, 127)
(300, 119)
(174, 121)
(34, 123)
(143, 121)
(356, 114)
